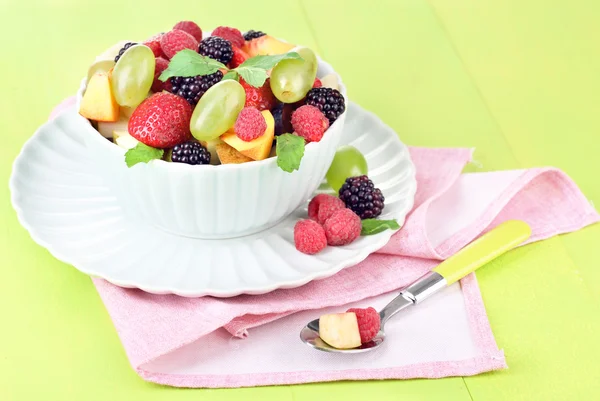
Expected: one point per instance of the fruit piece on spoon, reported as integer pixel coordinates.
(351, 329)
(340, 330)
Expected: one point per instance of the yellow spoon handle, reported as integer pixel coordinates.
(489, 246)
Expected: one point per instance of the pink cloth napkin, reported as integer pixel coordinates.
(188, 342)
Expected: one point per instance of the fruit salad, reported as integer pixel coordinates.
(226, 98)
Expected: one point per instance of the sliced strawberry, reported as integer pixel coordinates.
(262, 98)
(239, 56)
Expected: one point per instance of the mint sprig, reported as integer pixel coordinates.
(231, 75)
(290, 149)
(142, 154)
(188, 63)
(254, 70)
(374, 226)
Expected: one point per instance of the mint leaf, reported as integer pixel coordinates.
(188, 63)
(268, 62)
(374, 226)
(290, 149)
(142, 154)
(253, 76)
(231, 75)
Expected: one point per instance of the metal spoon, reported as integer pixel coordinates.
(501, 239)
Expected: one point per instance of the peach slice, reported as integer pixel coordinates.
(266, 46)
(228, 155)
(98, 102)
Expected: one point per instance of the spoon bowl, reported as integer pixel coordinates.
(310, 336)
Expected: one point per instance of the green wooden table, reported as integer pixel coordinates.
(518, 80)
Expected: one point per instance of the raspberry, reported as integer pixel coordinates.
(161, 65)
(190, 152)
(190, 27)
(369, 323)
(317, 83)
(342, 228)
(309, 237)
(250, 124)
(161, 121)
(262, 98)
(127, 46)
(329, 101)
(239, 56)
(193, 88)
(216, 48)
(253, 34)
(360, 195)
(155, 47)
(322, 206)
(231, 34)
(310, 123)
(154, 44)
(177, 40)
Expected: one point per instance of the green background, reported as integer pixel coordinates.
(518, 80)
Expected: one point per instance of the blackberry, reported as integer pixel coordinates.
(190, 152)
(360, 195)
(216, 48)
(329, 101)
(251, 34)
(192, 88)
(282, 114)
(127, 46)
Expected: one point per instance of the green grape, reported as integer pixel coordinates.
(292, 79)
(132, 76)
(347, 162)
(217, 110)
(100, 66)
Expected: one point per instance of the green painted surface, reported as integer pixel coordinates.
(519, 81)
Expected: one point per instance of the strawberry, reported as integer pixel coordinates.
(262, 98)
(239, 56)
(161, 121)
(161, 65)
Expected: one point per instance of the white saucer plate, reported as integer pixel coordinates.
(67, 208)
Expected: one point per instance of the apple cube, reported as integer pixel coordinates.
(330, 81)
(340, 330)
(106, 128)
(124, 140)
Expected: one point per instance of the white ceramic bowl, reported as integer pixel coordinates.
(212, 202)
